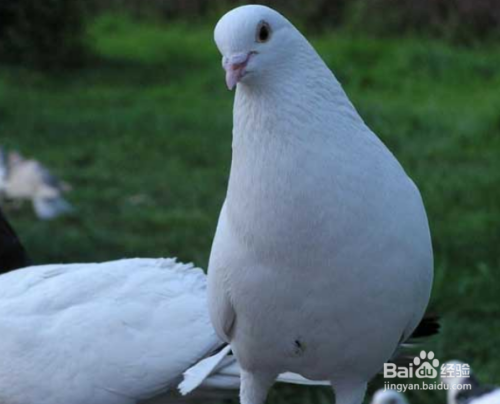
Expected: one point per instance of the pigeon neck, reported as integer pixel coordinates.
(291, 101)
(453, 389)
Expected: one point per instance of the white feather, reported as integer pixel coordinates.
(197, 374)
(114, 332)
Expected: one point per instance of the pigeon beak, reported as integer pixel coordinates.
(234, 66)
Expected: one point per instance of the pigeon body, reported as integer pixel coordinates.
(322, 260)
(119, 332)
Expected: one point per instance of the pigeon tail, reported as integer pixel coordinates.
(428, 326)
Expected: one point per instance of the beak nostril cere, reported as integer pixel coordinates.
(235, 68)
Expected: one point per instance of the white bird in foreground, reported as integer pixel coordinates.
(322, 259)
(28, 179)
(467, 389)
(118, 332)
(388, 397)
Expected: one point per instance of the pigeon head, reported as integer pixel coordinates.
(255, 42)
(388, 397)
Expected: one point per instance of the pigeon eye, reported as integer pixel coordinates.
(263, 32)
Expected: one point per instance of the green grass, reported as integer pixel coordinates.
(144, 135)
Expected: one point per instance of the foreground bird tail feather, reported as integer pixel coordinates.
(222, 371)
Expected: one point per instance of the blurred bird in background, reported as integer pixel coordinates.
(27, 179)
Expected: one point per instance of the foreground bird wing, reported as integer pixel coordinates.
(12, 253)
(115, 332)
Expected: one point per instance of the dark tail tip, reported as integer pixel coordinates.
(428, 326)
(12, 253)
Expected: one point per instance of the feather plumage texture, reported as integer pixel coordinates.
(105, 333)
(322, 260)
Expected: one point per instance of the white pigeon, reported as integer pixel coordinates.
(118, 332)
(388, 397)
(29, 179)
(466, 389)
(322, 260)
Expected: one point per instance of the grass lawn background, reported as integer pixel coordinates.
(144, 136)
